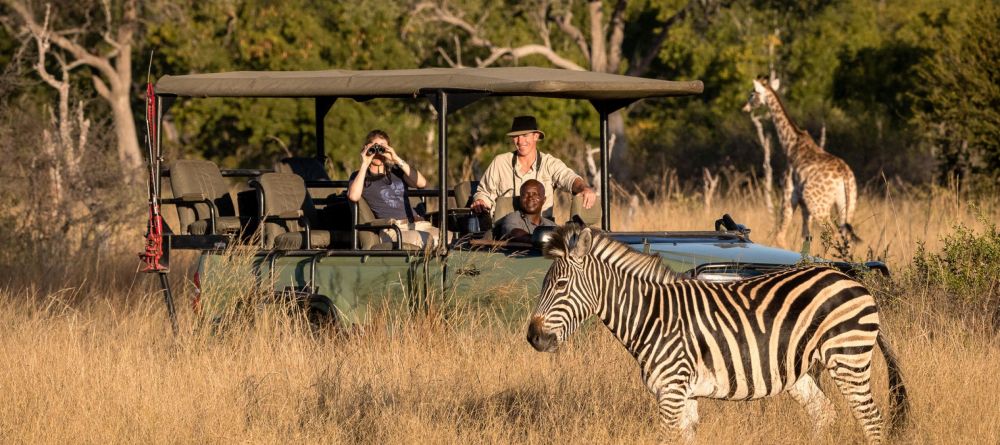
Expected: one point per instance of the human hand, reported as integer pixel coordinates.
(365, 157)
(390, 155)
(479, 206)
(589, 197)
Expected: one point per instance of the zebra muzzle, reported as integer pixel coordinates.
(541, 340)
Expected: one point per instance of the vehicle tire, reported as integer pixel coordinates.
(320, 313)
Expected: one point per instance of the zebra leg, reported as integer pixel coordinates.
(854, 382)
(816, 404)
(678, 414)
(689, 420)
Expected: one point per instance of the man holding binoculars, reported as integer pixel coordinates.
(382, 181)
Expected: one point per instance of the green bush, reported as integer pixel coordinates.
(967, 268)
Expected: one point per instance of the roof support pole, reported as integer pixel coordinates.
(605, 175)
(442, 109)
(323, 105)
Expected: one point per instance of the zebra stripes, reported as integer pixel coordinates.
(741, 340)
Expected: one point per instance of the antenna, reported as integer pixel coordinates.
(149, 70)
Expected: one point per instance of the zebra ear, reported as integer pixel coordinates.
(555, 246)
(579, 246)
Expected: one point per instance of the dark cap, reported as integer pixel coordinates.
(525, 125)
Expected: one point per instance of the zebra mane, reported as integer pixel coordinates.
(564, 243)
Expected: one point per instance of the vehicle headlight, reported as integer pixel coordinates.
(722, 276)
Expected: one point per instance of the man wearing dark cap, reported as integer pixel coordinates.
(509, 171)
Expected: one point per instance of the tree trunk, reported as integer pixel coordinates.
(620, 151)
(129, 152)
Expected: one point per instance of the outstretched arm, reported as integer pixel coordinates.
(589, 196)
(487, 192)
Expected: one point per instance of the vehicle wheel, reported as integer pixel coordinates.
(320, 313)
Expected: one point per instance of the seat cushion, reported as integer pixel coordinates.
(293, 240)
(224, 224)
(389, 246)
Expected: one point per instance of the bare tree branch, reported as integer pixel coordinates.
(436, 13)
(112, 70)
(565, 22)
(527, 50)
(62, 42)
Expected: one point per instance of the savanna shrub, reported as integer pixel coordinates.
(967, 269)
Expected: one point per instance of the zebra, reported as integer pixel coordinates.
(740, 340)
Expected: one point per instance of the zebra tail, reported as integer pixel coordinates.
(899, 404)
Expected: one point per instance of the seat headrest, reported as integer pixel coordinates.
(591, 216)
(310, 169)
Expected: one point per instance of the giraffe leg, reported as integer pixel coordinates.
(678, 414)
(854, 382)
(806, 236)
(788, 203)
(816, 404)
(786, 220)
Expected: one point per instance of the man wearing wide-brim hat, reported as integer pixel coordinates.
(508, 171)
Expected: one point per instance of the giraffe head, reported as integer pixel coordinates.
(758, 95)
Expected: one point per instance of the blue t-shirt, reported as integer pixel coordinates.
(386, 195)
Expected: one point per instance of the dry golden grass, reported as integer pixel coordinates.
(890, 224)
(103, 367)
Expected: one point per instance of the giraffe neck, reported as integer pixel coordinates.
(793, 141)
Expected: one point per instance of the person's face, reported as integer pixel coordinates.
(532, 198)
(525, 143)
(379, 159)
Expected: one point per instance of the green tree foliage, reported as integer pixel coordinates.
(847, 66)
(297, 35)
(959, 95)
(899, 86)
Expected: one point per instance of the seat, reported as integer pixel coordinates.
(285, 212)
(310, 169)
(591, 216)
(464, 192)
(204, 205)
(369, 228)
(461, 219)
(503, 206)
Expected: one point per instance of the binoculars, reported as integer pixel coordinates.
(376, 149)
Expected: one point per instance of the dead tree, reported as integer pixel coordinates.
(72, 46)
(765, 143)
(710, 184)
(598, 40)
(592, 170)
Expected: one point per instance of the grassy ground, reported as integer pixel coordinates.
(95, 362)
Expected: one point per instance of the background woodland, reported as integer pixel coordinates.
(907, 92)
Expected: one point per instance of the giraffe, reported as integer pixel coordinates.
(819, 179)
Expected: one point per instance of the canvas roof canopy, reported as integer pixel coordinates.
(512, 81)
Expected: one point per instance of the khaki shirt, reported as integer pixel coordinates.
(501, 179)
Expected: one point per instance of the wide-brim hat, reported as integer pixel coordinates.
(525, 125)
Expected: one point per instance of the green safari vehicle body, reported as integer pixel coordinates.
(345, 281)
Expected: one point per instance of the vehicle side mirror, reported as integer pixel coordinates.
(542, 235)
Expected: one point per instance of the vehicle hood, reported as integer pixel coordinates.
(683, 254)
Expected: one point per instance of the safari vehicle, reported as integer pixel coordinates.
(323, 250)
